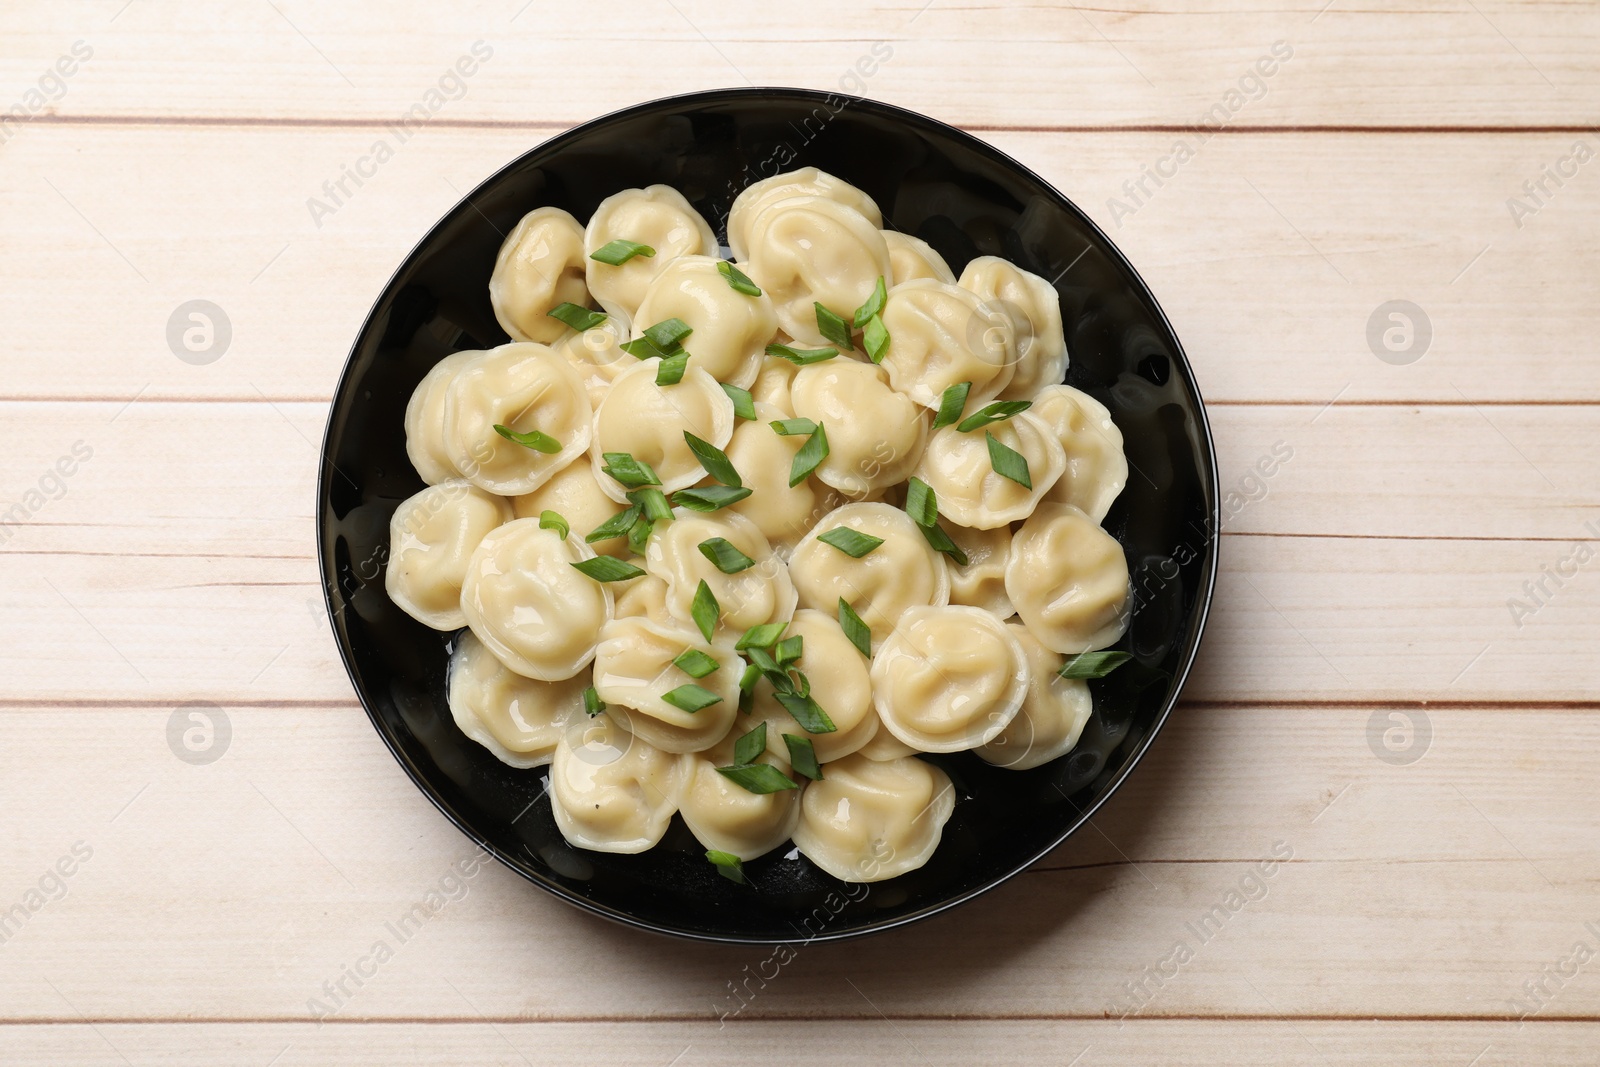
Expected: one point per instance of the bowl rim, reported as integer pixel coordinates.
(1206, 448)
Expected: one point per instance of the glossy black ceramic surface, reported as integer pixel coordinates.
(965, 199)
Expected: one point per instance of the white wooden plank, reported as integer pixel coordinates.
(235, 890)
(989, 63)
(1270, 254)
(1182, 1043)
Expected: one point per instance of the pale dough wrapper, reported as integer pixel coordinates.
(811, 250)
(982, 582)
(940, 335)
(959, 469)
(911, 258)
(523, 387)
(1053, 714)
(948, 679)
(517, 719)
(1069, 580)
(648, 421)
(1097, 469)
(729, 818)
(875, 434)
(806, 181)
(611, 791)
(597, 355)
(730, 329)
(432, 537)
(540, 266)
(633, 670)
(524, 600)
(783, 513)
(425, 419)
(758, 594)
(657, 216)
(575, 494)
(868, 820)
(840, 684)
(1032, 312)
(902, 573)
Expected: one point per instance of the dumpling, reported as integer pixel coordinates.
(1032, 308)
(728, 817)
(574, 493)
(940, 336)
(425, 419)
(1097, 469)
(523, 387)
(763, 457)
(731, 329)
(516, 718)
(903, 572)
(1053, 714)
(875, 434)
(657, 216)
(597, 355)
(807, 181)
(1068, 579)
(611, 791)
(540, 266)
(757, 594)
(432, 536)
(840, 684)
(958, 468)
(634, 669)
(982, 582)
(812, 250)
(648, 421)
(868, 820)
(535, 611)
(884, 745)
(773, 382)
(948, 679)
(911, 258)
(644, 597)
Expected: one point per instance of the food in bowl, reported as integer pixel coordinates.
(743, 540)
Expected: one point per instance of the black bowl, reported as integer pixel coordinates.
(965, 199)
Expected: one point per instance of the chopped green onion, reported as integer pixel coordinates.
(668, 334)
(552, 520)
(941, 542)
(810, 456)
(629, 471)
(705, 611)
(639, 535)
(803, 756)
(619, 252)
(999, 411)
(789, 650)
(1007, 462)
(579, 318)
(744, 405)
(641, 348)
(615, 526)
(695, 663)
(921, 502)
(759, 778)
(852, 543)
(855, 628)
(729, 560)
(738, 281)
(691, 698)
(764, 636)
(653, 502)
(748, 680)
(875, 339)
(807, 712)
(833, 327)
(592, 704)
(793, 427)
(801, 357)
(751, 745)
(874, 305)
(951, 404)
(710, 497)
(728, 865)
(670, 371)
(539, 442)
(714, 460)
(1093, 664)
(608, 569)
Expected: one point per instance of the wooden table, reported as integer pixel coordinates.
(1396, 703)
